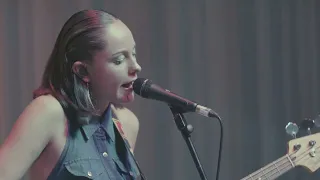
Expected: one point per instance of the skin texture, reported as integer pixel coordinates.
(39, 135)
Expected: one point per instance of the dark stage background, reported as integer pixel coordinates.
(256, 62)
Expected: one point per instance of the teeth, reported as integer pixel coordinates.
(128, 85)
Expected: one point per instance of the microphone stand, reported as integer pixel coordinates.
(186, 130)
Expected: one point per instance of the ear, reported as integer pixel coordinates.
(80, 69)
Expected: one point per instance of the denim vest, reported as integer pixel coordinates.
(98, 151)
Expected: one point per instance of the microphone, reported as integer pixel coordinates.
(147, 89)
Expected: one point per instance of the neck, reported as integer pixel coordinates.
(100, 107)
(100, 101)
(272, 170)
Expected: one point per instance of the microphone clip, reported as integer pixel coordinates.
(181, 123)
(186, 130)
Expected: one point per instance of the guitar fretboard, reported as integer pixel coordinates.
(272, 170)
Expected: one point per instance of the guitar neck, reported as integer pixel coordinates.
(272, 170)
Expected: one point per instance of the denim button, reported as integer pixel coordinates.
(105, 154)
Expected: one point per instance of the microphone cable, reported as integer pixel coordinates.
(220, 147)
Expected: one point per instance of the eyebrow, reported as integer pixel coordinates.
(122, 51)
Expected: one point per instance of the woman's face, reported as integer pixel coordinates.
(114, 69)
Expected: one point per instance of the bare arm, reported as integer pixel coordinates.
(130, 124)
(29, 136)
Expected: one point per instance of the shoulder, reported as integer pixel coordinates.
(44, 111)
(47, 101)
(126, 116)
(46, 105)
(31, 133)
(130, 123)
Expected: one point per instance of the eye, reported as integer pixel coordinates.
(117, 62)
(119, 59)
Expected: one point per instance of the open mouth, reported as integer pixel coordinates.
(128, 85)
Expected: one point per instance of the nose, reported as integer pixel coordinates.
(134, 68)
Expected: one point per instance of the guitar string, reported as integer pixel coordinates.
(299, 157)
(282, 166)
(252, 175)
(287, 165)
